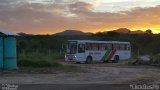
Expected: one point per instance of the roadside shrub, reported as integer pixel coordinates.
(40, 63)
(44, 63)
(25, 63)
(55, 64)
(38, 56)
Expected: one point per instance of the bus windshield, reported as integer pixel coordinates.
(72, 47)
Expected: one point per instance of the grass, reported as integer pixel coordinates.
(38, 62)
(50, 70)
(37, 59)
(36, 56)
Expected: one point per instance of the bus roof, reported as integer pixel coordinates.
(93, 41)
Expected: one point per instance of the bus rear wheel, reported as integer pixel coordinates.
(89, 60)
(159, 62)
(116, 59)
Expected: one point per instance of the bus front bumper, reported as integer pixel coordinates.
(70, 58)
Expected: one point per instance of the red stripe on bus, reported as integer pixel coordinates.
(112, 54)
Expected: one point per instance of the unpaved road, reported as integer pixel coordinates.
(99, 73)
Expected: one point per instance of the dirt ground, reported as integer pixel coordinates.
(98, 73)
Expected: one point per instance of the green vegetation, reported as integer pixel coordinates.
(146, 43)
(39, 51)
(38, 56)
(38, 59)
(42, 50)
(40, 63)
(46, 50)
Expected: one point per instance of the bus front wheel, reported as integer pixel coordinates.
(89, 60)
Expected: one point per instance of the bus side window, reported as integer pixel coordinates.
(116, 46)
(128, 47)
(122, 47)
(88, 46)
(105, 47)
(101, 46)
(81, 48)
(95, 46)
(98, 46)
(109, 46)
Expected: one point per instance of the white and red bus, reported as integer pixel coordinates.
(89, 51)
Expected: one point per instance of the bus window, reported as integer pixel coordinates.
(95, 46)
(72, 47)
(109, 46)
(122, 47)
(128, 47)
(81, 48)
(88, 46)
(105, 46)
(102, 47)
(116, 46)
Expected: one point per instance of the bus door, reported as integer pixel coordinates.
(81, 51)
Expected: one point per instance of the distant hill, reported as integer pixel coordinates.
(72, 32)
(77, 32)
(122, 30)
(8, 34)
(138, 32)
(24, 34)
(125, 30)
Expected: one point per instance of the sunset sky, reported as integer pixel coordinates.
(52, 16)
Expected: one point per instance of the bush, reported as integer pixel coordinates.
(43, 63)
(25, 63)
(155, 59)
(37, 56)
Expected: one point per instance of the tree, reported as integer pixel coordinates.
(149, 31)
(112, 33)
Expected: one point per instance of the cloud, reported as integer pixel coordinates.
(58, 16)
(80, 7)
(123, 5)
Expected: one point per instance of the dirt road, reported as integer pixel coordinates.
(99, 73)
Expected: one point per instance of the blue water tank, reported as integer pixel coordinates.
(8, 55)
(1, 53)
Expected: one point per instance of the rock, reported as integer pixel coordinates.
(155, 59)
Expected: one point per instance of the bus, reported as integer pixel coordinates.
(89, 51)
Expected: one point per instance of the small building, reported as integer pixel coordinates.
(8, 54)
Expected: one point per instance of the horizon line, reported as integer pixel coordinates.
(47, 33)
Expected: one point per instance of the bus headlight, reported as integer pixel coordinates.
(75, 56)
